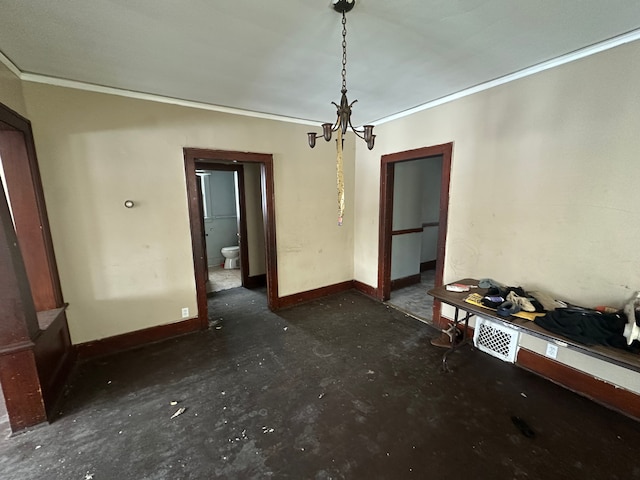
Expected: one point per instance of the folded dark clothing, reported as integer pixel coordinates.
(519, 291)
(492, 301)
(588, 327)
(537, 305)
(497, 292)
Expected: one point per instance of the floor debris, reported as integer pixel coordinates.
(180, 411)
(524, 428)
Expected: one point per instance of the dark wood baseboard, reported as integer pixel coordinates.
(302, 297)
(256, 281)
(604, 393)
(581, 383)
(368, 290)
(430, 265)
(405, 282)
(127, 341)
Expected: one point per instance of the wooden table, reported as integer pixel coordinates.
(611, 355)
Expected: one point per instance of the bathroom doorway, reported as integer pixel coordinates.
(255, 234)
(222, 188)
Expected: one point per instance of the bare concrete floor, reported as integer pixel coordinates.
(223, 279)
(341, 388)
(414, 299)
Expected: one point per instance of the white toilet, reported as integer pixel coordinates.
(231, 257)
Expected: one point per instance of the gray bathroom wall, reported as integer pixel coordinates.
(221, 219)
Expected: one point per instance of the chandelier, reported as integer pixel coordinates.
(344, 109)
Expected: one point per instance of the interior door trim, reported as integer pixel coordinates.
(265, 160)
(387, 171)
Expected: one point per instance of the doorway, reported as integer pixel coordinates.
(259, 168)
(402, 238)
(232, 217)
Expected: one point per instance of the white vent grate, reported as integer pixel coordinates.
(495, 339)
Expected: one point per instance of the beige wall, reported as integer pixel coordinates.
(11, 91)
(545, 181)
(543, 191)
(127, 269)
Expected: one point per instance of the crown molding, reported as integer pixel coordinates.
(61, 82)
(628, 37)
(10, 65)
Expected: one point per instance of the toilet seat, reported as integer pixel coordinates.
(232, 249)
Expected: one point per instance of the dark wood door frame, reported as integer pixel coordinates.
(387, 175)
(212, 157)
(205, 252)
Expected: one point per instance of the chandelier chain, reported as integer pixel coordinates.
(344, 52)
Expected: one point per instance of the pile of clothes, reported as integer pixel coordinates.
(508, 300)
(589, 326)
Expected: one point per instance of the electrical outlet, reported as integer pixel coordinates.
(552, 350)
(185, 312)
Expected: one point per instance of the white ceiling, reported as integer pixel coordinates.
(283, 57)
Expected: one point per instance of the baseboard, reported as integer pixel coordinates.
(405, 281)
(127, 341)
(302, 297)
(256, 281)
(604, 393)
(599, 391)
(430, 265)
(368, 290)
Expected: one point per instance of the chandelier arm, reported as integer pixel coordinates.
(337, 124)
(359, 133)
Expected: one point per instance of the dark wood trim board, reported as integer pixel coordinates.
(430, 265)
(405, 281)
(599, 391)
(366, 289)
(298, 298)
(139, 338)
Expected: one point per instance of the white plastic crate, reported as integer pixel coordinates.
(496, 339)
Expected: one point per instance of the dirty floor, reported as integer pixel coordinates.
(340, 388)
